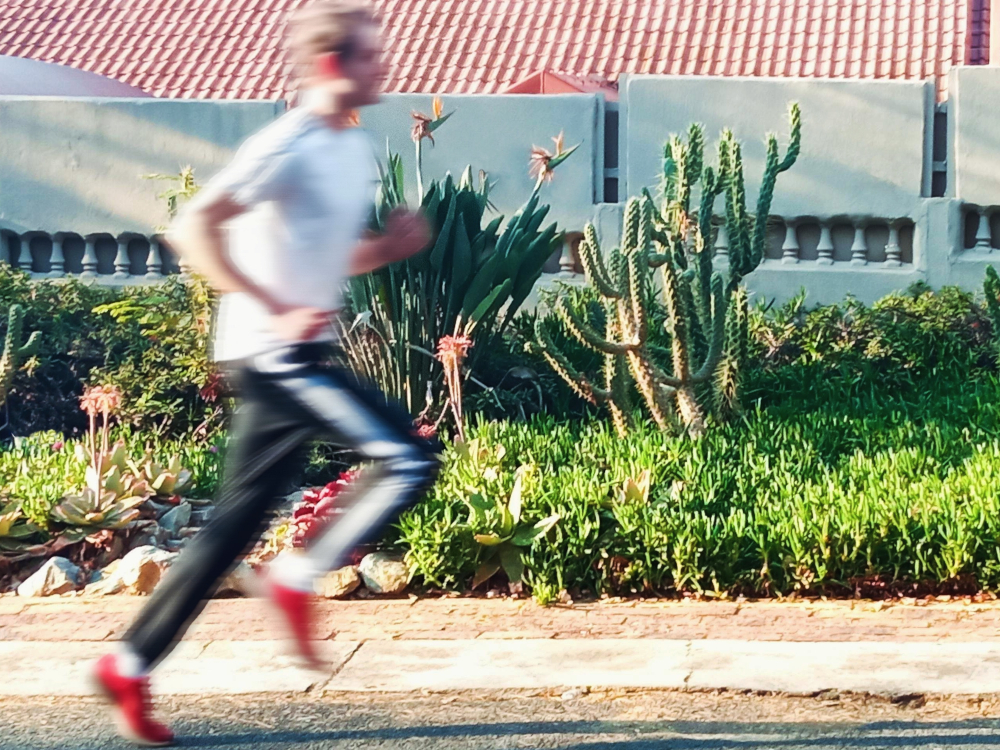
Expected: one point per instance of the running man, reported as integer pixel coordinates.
(277, 233)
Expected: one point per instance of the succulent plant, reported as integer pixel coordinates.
(163, 481)
(90, 510)
(15, 530)
(506, 534)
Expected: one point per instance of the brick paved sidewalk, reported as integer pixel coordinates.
(74, 619)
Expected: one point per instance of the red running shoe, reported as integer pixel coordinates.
(133, 706)
(296, 606)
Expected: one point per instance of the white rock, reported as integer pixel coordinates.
(337, 583)
(105, 582)
(241, 580)
(384, 574)
(176, 518)
(57, 576)
(140, 570)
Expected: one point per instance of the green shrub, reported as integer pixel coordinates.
(150, 341)
(851, 350)
(898, 485)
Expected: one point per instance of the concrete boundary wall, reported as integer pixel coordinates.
(855, 215)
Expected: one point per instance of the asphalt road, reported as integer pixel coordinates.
(606, 721)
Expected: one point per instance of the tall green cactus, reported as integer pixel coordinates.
(14, 352)
(706, 315)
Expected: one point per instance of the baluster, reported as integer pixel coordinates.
(24, 260)
(90, 259)
(983, 234)
(790, 248)
(825, 247)
(722, 245)
(893, 255)
(567, 263)
(154, 265)
(58, 258)
(859, 250)
(122, 264)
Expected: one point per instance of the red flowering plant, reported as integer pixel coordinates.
(317, 507)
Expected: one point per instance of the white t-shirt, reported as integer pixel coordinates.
(308, 191)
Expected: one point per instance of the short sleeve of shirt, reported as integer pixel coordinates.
(259, 172)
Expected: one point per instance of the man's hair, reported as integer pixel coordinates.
(324, 26)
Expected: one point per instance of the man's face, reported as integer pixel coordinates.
(359, 76)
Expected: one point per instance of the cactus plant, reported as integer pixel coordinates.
(14, 352)
(706, 314)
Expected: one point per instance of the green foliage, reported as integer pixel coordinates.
(14, 352)
(17, 533)
(459, 284)
(42, 469)
(90, 511)
(991, 291)
(899, 486)
(497, 526)
(182, 189)
(851, 350)
(157, 343)
(705, 316)
(149, 341)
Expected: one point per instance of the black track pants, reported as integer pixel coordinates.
(287, 399)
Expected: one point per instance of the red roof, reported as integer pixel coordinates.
(233, 48)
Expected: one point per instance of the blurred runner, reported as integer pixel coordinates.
(278, 232)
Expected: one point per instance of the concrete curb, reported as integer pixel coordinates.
(243, 667)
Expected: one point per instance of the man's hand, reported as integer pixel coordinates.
(406, 233)
(300, 323)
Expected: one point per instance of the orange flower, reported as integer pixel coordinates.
(539, 164)
(452, 350)
(100, 399)
(424, 125)
(421, 128)
(354, 118)
(542, 163)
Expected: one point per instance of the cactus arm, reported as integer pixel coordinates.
(585, 334)
(616, 378)
(676, 322)
(593, 264)
(14, 352)
(794, 138)
(718, 333)
(578, 382)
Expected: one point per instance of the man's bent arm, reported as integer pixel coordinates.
(199, 238)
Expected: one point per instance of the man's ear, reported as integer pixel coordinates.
(328, 65)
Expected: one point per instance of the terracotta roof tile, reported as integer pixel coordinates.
(230, 48)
